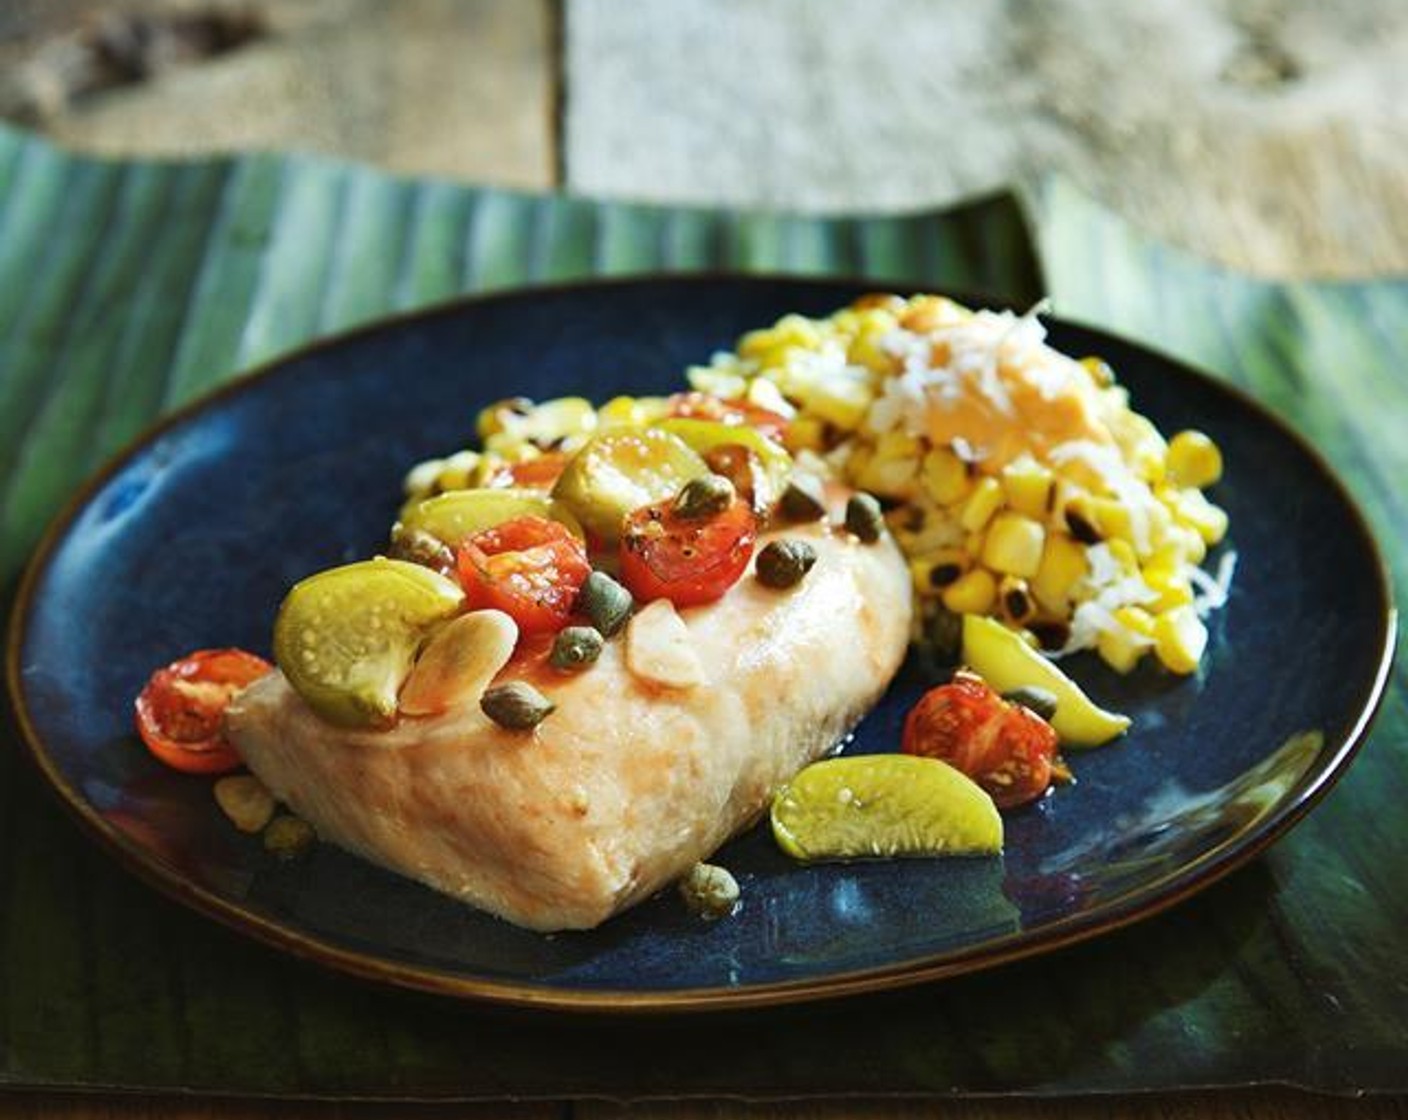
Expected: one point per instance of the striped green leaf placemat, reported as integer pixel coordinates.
(125, 288)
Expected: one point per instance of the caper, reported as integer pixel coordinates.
(576, 647)
(1039, 701)
(943, 635)
(804, 499)
(605, 602)
(709, 891)
(783, 563)
(516, 705)
(288, 837)
(864, 518)
(704, 497)
(419, 547)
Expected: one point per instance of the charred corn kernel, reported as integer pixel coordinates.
(1192, 509)
(1171, 587)
(1078, 513)
(1028, 486)
(1014, 545)
(1193, 460)
(945, 477)
(1014, 601)
(984, 501)
(805, 433)
(1063, 564)
(892, 465)
(935, 572)
(1100, 372)
(1180, 639)
(974, 592)
(1112, 518)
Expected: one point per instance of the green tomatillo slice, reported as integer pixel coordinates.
(621, 470)
(346, 638)
(457, 514)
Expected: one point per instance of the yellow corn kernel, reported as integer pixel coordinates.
(620, 412)
(1063, 564)
(926, 313)
(891, 468)
(1137, 619)
(1192, 509)
(1171, 587)
(867, 346)
(723, 384)
(945, 477)
(1028, 486)
(1193, 460)
(1014, 545)
(933, 573)
(1112, 518)
(765, 394)
(843, 401)
(1180, 639)
(1120, 651)
(974, 592)
(1014, 601)
(1100, 372)
(805, 433)
(982, 503)
(1123, 554)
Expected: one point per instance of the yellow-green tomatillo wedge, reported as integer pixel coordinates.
(618, 471)
(457, 514)
(705, 435)
(1001, 658)
(881, 805)
(345, 638)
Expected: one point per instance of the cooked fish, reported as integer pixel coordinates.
(628, 783)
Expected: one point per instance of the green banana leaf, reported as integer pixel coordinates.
(128, 287)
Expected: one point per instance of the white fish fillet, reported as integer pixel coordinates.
(626, 785)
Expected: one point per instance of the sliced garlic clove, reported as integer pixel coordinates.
(458, 662)
(659, 648)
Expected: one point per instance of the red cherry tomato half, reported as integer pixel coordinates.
(686, 560)
(706, 406)
(1005, 748)
(179, 712)
(529, 567)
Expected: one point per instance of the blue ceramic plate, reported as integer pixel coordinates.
(192, 538)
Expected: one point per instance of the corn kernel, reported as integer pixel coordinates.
(720, 383)
(982, 503)
(1100, 372)
(1171, 587)
(1180, 639)
(891, 467)
(459, 471)
(843, 401)
(1028, 486)
(1014, 601)
(620, 412)
(805, 433)
(765, 394)
(1014, 545)
(933, 573)
(974, 592)
(1193, 460)
(945, 477)
(1120, 651)
(1112, 518)
(1123, 554)
(1063, 564)
(1192, 509)
(1137, 619)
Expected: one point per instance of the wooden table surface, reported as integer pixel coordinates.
(1273, 138)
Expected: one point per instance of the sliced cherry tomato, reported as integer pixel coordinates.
(179, 712)
(706, 406)
(529, 567)
(1006, 748)
(531, 474)
(686, 560)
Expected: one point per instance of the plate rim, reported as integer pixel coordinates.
(1145, 902)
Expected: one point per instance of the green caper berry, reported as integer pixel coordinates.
(709, 891)
(605, 602)
(516, 705)
(703, 497)
(864, 518)
(576, 647)
(783, 563)
(803, 500)
(287, 837)
(1039, 701)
